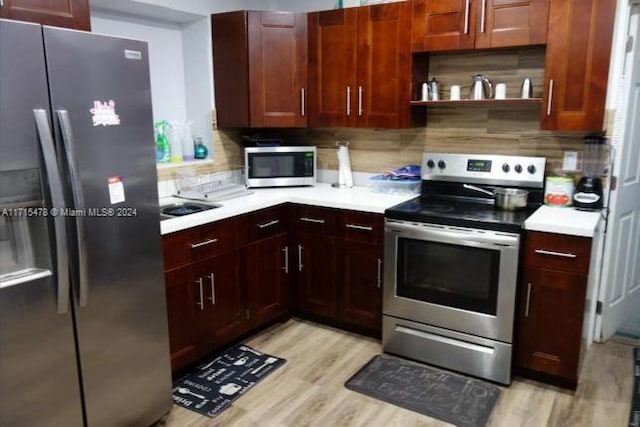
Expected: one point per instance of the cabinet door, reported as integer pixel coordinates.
(223, 292)
(182, 297)
(61, 13)
(332, 67)
(504, 23)
(267, 269)
(577, 68)
(384, 65)
(278, 69)
(318, 274)
(550, 321)
(204, 324)
(362, 287)
(443, 25)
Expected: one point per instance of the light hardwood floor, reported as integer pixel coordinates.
(309, 389)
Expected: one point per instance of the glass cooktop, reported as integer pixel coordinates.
(460, 214)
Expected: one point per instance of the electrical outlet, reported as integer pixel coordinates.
(570, 161)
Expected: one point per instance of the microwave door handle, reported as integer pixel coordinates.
(57, 202)
(68, 143)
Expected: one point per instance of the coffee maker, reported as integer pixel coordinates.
(588, 195)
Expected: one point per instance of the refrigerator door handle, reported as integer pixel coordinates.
(57, 202)
(78, 204)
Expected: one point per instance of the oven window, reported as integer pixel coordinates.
(280, 165)
(452, 275)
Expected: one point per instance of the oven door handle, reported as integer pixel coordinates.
(448, 235)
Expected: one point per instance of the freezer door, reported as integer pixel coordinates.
(39, 383)
(100, 93)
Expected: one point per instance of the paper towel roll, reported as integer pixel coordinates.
(345, 176)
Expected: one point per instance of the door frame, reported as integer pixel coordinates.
(619, 98)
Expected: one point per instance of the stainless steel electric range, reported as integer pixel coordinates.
(452, 257)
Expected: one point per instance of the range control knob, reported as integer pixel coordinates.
(431, 164)
(518, 168)
(531, 169)
(442, 164)
(505, 168)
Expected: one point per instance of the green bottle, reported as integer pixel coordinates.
(163, 148)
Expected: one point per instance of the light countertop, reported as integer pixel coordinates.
(356, 198)
(567, 221)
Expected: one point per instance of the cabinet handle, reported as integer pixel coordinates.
(348, 101)
(359, 227)
(212, 277)
(286, 259)
(313, 220)
(205, 243)
(300, 248)
(550, 100)
(526, 310)
(379, 273)
(483, 16)
(302, 102)
(201, 299)
(552, 253)
(466, 17)
(269, 224)
(360, 95)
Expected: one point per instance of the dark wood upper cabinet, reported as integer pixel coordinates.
(260, 68)
(60, 13)
(332, 67)
(577, 67)
(504, 23)
(360, 66)
(442, 25)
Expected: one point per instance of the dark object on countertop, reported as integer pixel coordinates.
(634, 417)
(589, 195)
(212, 387)
(449, 397)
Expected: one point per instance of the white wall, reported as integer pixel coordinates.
(166, 61)
(196, 47)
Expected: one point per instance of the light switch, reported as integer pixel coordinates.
(570, 162)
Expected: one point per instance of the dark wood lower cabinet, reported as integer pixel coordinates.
(318, 274)
(362, 287)
(224, 293)
(205, 307)
(181, 311)
(551, 311)
(267, 270)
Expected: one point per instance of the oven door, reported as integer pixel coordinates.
(456, 278)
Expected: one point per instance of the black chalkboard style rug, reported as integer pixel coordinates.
(634, 418)
(210, 388)
(448, 397)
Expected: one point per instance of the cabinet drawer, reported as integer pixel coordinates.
(313, 219)
(199, 243)
(557, 252)
(266, 223)
(363, 227)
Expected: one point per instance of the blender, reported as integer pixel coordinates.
(588, 194)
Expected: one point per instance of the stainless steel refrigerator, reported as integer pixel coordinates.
(83, 323)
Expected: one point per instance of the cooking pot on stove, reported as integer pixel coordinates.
(508, 199)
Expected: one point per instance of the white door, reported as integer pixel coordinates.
(620, 290)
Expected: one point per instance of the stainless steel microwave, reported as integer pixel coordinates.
(280, 166)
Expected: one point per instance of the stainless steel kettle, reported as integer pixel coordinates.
(479, 88)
